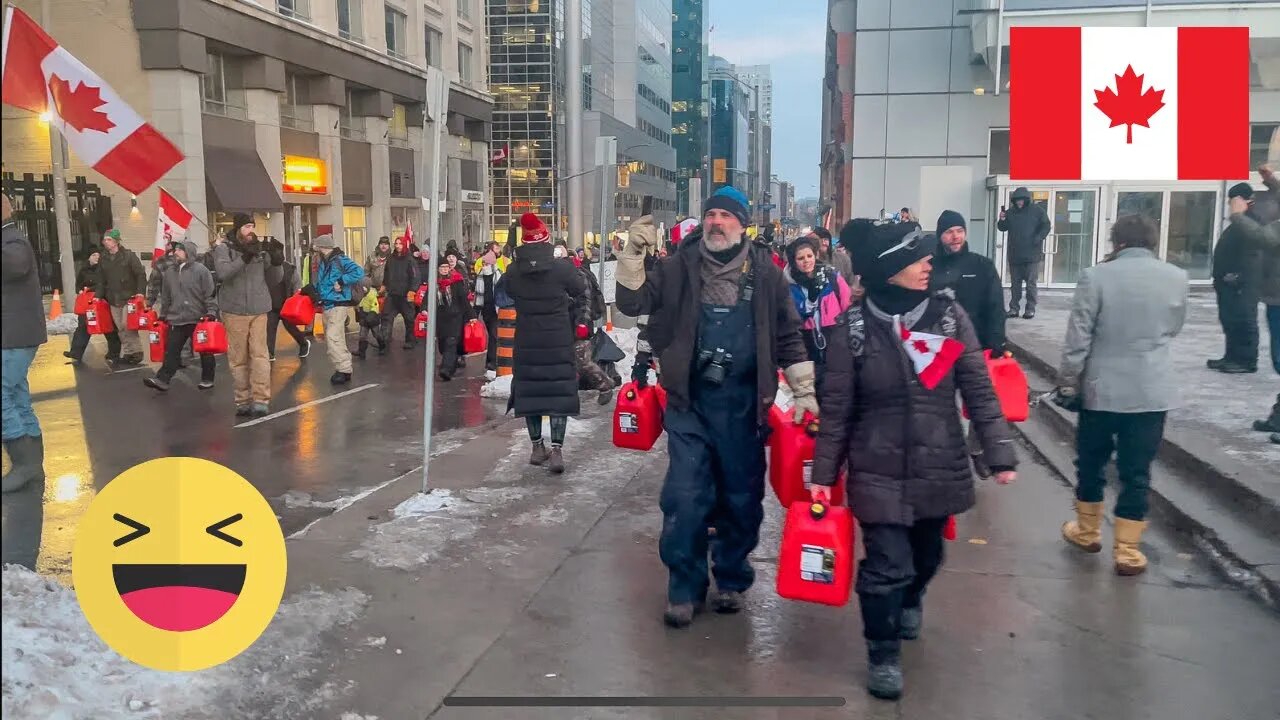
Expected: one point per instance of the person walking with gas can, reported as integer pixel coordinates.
(335, 279)
(186, 296)
(120, 278)
(890, 415)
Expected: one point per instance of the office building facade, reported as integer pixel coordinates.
(689, 94)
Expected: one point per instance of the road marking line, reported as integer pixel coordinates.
(132, 369)
(348, 502)
(291, 410)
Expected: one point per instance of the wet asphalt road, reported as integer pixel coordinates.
(98, 424)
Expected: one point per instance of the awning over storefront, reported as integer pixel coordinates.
(237, 181)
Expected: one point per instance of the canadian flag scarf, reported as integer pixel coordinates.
(933, 356)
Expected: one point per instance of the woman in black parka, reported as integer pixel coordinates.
(544, 375)
(889, 412)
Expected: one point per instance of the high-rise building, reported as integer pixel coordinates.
(741, 139)
(759, 78)
(924, 123)
(308, 114)
(625, 94)
(688, 94)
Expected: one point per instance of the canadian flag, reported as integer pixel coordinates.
(41, 76)
(171, 222)
(932, 355)
(1121, 103)
(682, 230)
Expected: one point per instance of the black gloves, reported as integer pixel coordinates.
(640, 370)
(310, 291)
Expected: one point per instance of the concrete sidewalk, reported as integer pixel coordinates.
(1214, 423)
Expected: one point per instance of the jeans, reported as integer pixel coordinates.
(1273, 328)
(179, 336)
(19, 418)
(559, 425)
(1135, 439)
(900, 561)
(1020, 274)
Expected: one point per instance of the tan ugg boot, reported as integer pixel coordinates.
(1085, 532)
(1129, 559)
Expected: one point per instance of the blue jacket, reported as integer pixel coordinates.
(340, 269)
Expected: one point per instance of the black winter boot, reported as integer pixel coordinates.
(27, 455)
(1272, 423)
(884, 669)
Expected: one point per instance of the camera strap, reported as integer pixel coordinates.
(747, 280)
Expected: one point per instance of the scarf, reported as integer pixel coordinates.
(720, 272)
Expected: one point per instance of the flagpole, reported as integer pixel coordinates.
(62, 215)
(437, 102)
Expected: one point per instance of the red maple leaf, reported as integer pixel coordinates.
(78, 107)
(921, 346)
(1129, 105)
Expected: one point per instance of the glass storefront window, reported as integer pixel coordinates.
(1192, 217)
(1148, 203)
(353, 230)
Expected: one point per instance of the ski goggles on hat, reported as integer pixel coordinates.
(919, 242)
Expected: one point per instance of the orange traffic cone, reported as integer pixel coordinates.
(55, 308)
(318, 329)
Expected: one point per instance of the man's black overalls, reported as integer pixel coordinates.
(716, 449)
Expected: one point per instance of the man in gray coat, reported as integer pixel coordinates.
(21, 335)
(1116, 362)
(245, 266)
(186, 297)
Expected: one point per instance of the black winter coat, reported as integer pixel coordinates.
(1237, 254)
(672, 298)
(976, 284)
(453, 310)
(544, 289)
(400, 276)
(1027, 230)
(904, 444)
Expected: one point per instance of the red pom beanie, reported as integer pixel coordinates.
(535, 231)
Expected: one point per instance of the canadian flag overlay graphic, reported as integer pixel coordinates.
(171, 223)
(101, 129)
(1116, 103)
(932, 355)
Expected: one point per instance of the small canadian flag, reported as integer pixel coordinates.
(933, 356)
(41, 76)
(171, 222)
(1120, 103)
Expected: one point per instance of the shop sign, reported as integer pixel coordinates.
(304, 175)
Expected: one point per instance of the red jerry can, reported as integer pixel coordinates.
(420, 325)
(475, 338)
(158, 339)
(815, 563)
(791, 449)
(147, 320)
(1010, 384)
(637, 417)
(949, 530)
(421, 297)
(133, 309)
(84, 301)
(98, 318)
(210, 338)
(298, 310)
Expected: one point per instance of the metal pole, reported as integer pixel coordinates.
(62, 215)
(606, 157)
(999, 45)
(437, 107)
(573, 119)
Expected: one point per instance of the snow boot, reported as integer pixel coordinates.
(540, 454)
(910, 622)
(680, 615)
(1085, 532)
(1128, 558)
(555, 461)
(1272, 423)
(728, 603)
(884, 669)
(340, 378)
(27, 456)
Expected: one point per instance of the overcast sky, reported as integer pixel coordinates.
(790, 37)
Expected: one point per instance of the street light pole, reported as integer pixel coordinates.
(573, 120)
(61, 213)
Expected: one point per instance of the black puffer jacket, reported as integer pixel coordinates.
(544, 289)
(1027, 228)
(903, 443)
(672, 298)
(976, 283)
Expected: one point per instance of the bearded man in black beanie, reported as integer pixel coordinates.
(889, 413)
(722, 322)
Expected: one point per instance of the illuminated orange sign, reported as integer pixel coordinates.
(304, 175)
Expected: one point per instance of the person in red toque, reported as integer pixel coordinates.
(544, 289)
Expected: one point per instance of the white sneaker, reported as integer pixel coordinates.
(305, 350)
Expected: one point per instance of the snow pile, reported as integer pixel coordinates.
(64, 324)
(499, 387)
(422, 528)
(56, 667)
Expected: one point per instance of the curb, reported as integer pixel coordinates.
(1197, 477)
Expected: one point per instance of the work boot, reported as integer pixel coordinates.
(244, 410)
(555, 461)
(884, 669)
(728, 603)
(539, 454)
(1215, 364)
(680, 615)
(1012, 313)
(1275, 438)
(1029, 314)
(1128, 558)
(1272, 423)
(340, 378)
(1235, 368)
(156, 383)
(605, 397)
(1085, 532)
(361, 348)
(27, 457)
(131, 359)
(259, 410)
(910, 622)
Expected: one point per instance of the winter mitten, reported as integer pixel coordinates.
(801, 378)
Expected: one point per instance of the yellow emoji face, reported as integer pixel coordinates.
(179, 564)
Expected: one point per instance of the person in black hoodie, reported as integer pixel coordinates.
(976, 284)
(545, 376)
(1236, 278)
(1028, 225)
(87, 278)
(401, 276)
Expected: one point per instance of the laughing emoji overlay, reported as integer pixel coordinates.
(179, 564)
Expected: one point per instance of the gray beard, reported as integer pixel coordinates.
(719, 243)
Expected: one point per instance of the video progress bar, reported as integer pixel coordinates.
(643, 701)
